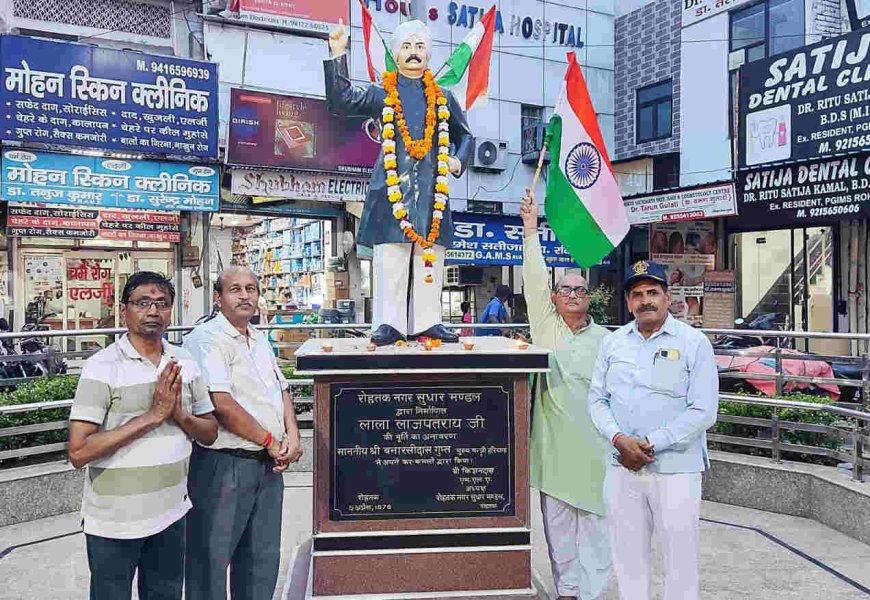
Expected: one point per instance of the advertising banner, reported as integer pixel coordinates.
(40, 220)
(820, 191)
(687, 249)
(292, 132)
(498, 240)
(300, 186)
(316, 16)
(720, 297)
(806, 103)
(83, 95)
(107, 182)
(682, 205)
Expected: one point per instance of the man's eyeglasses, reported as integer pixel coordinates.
(566, 291)
(145, 304)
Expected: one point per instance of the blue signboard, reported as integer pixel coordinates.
(49, 178)
(80, 95)
(498, 240)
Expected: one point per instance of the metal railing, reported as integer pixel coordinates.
(851, 431)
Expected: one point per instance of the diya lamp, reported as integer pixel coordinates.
(428, 344)
(326, 347)
(371, 347)
(468, 344)
(522, 344)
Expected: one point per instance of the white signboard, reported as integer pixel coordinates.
(682, 205)
(300, 186)
(698, 10)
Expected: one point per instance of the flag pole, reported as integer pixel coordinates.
(538, 169)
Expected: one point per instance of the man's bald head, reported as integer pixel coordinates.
(231, 271)
(572, 280)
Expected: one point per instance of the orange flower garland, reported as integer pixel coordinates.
(392, 115)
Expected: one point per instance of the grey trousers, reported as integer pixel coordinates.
(235, 522)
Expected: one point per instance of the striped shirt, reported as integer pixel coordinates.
(141, 489)
(246, 369)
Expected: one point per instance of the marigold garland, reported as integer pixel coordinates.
(392, 116)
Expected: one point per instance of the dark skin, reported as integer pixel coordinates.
(238, 303)
(145, 329)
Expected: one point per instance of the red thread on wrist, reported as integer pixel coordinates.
(268, 441)
(616, 437)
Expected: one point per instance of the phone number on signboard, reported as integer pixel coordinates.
(829, 211)
(859, 142)
(175, 70)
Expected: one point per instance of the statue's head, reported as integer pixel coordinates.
(412, 48)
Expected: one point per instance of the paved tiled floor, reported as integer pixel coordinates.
(746, 554)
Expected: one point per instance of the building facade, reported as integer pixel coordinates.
(692, 144)
(109, 157)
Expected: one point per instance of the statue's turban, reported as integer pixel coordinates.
(408, 30)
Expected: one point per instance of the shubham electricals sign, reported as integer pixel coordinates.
(806, 103)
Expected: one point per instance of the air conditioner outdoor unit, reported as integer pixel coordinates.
(489, 155)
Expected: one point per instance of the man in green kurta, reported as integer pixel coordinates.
(568, 456)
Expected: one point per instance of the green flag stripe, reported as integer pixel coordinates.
(456, 65)
(575, 228)
(390, 63)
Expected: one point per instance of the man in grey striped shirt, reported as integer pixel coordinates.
(137, 406)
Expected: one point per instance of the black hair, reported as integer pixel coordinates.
(147, 278)
(465, 307)
(503, 292)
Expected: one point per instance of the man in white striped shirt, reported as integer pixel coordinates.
(137, 406)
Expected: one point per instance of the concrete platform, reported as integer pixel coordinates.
(746, 553)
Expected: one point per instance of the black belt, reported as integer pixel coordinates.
(260, 455)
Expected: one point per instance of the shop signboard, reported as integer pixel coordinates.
(859, 13)
(92, 181)
(806, 103)
(682, 205)
(291, 132)
(84, 95)
(497, 240)
(300, 186)
(804, 194)
(687, 249)
(315, 16)
(42, 220)
(698, 10)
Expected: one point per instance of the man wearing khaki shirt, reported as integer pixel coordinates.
(236, 485)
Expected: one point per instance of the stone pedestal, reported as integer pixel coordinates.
(421, 468)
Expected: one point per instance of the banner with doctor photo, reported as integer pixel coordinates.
(687, 249)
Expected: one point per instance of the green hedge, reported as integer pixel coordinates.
(304, 390)
(794, 415)
(40, 390)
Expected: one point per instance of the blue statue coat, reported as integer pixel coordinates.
(417, 177)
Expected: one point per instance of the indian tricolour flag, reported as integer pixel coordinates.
(467, 73)
(583, 204)
(379, 59)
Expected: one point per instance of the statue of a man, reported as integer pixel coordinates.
(406, 220)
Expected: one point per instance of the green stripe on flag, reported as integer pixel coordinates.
(388, 59)
(457, 64)
(567, 216)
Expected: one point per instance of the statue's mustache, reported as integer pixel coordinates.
(414, 57)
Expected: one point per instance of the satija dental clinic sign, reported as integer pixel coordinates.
(806, 103)
(814, 192)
